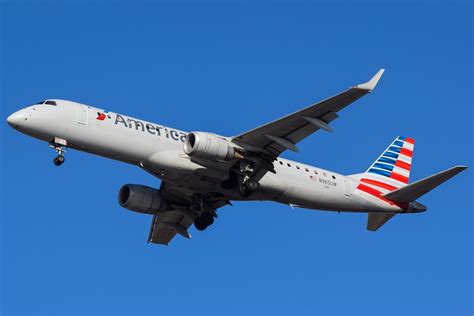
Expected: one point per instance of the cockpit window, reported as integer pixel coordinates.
(50, 102)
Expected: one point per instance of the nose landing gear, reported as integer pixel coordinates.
(60, 150)
(59, 160)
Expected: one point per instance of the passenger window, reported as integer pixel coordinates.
(281, 162)
(288, 165)
(298, 167)
(307, 170)
(334, 177)
(315, 172)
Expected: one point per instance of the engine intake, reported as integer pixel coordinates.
(140, 198)
(209, 146)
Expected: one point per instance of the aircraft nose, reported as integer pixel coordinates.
(17, 118)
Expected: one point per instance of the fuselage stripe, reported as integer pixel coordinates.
(373, 192)
(379, 184)
(378, 195)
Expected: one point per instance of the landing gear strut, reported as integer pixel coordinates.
(241, 177)
(247, 185)
(60, 150)
(207, 213)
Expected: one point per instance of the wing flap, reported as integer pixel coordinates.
(165, 225)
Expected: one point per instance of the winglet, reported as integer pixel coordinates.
(370, 85)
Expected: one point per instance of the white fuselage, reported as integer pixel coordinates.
(159, 150)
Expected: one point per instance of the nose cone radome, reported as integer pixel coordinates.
(16, 119)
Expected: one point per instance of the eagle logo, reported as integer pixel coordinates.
(102, 115)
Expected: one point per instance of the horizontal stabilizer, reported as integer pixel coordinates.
(416, 189)
(376, 220)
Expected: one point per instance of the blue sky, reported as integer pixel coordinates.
(68, 248)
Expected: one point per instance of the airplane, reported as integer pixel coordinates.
(201, 172)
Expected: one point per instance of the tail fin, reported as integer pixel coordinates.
(387, 179)
(392, 169)
(389, 172)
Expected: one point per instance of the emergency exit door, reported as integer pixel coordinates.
(82, 114)
(347, 187)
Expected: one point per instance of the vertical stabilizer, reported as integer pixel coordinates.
(392, 169)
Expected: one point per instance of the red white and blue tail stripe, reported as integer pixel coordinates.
(394, 163)
(390, 171)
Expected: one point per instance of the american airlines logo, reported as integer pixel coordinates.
(153, 129)
(102, 115)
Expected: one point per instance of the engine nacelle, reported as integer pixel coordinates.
(140, 198)
(208, 146)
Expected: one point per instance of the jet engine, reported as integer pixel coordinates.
(209, 146)
(140, 198)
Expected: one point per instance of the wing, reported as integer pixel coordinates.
(179, 214)
(271, 139)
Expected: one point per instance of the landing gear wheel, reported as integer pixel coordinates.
(57, 144)
(200, 224)
(247, 188)
(252, 185)
(207, 218)
(59, 160)
(244, 190)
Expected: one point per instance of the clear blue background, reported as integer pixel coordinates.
(69, 249)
